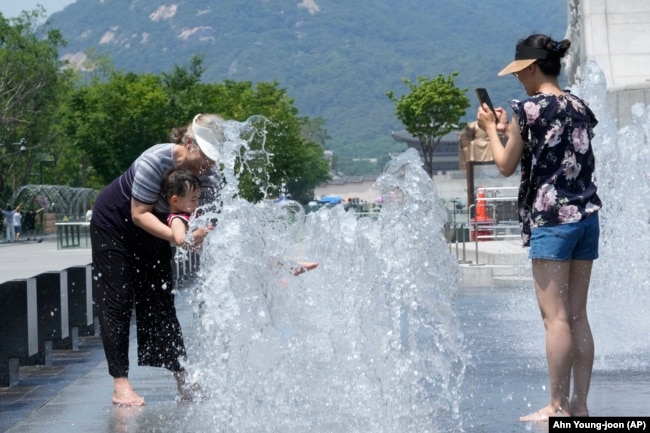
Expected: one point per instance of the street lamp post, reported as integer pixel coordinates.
(22, 143)
(458, 206)
(22, 148)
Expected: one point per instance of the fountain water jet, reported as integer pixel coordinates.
(59, 199)
(620, 297)
(369, 341)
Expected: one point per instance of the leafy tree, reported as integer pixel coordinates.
(110, 122)
(30, 80)
(184, 95)
(431, 110)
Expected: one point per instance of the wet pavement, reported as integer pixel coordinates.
(506, 374)
(505, 378)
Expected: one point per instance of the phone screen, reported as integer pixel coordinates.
(484, 98)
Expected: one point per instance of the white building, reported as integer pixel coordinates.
(616, 34)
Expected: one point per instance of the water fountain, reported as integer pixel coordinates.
(367, 342)
(62, 201)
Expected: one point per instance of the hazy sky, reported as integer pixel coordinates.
(12, 8)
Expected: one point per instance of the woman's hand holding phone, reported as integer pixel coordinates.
(486, 106)
(502, 121)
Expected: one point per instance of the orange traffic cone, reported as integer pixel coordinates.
(481, 209)
(481, 223)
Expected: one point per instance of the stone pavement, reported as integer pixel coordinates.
(41, 384)
(73, 394)
(25, 259)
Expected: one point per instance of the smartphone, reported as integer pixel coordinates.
(484, 98)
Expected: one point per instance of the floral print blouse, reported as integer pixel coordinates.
(557, 165)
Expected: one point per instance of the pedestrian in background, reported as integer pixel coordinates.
(18, 218)
(9, 213)
(29, 222)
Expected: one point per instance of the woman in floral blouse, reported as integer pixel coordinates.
(550, 135)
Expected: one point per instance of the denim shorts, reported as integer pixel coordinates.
(571, 241)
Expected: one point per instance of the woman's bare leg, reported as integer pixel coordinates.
(583, 342)
(552, 288)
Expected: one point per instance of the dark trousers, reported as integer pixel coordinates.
(137, 271)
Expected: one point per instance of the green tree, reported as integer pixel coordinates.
(185, 95)
(30, 81)
(431, 110)
(110, 121)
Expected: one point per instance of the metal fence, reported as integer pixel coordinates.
(492, 217)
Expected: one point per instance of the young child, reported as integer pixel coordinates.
(182, 189)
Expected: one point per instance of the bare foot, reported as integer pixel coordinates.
(543, 414)
(303, 267)
(124, 395)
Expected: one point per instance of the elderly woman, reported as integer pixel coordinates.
(132, 257)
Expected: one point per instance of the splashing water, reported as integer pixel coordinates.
(367, 342)
(619, 293)
(243, 148)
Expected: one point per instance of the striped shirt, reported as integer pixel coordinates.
(142, 181)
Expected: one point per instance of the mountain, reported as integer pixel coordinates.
(335, 58)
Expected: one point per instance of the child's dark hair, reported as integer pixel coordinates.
(179, 181)
(555, 51)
